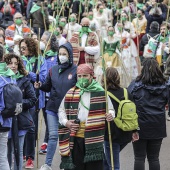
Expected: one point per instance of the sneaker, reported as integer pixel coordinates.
(168, 118)
(24, 158)
(43, 149)
(29, 164)
(45, 167)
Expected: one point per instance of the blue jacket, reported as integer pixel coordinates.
(151, 18)
(51, 61)
(42, 77)
(4, 122)
(59, 83)
(150, 103)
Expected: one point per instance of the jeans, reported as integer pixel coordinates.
(31, 136)
(10, 153)
(116, 150)
(36, 30)
(46, 131)
(3, 151)
(149, 148)
(53, 138)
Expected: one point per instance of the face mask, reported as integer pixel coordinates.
(42, 45)
(139, 15)
(62, 24)
(101, 10)
(56, 33)
(63, 59)
(124, 18)
(110, 33)
(72, 19)
(83, 82)
(85, 29)
(90, 17)
(120, 29)
(18, 21)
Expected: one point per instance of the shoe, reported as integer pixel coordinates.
(168, 118)
(45, 167)
(29, 164)
(43, 149)
(24, 158)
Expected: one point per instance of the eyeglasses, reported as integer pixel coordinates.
(23, 48)
(18, 18)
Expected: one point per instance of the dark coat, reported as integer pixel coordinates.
(151, 18)
(25, 120)
(150, 103)
(59, 83)
(118, 135)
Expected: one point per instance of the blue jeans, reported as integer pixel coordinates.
(3, 151)
(116, 150)
(53, 138)
(10, 152)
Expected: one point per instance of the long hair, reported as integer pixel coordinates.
(151, 73)
(21, 68)
(112, 78)
(32, 46)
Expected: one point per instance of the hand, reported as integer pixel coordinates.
(135, 136)
(163, 46)
(37, 85)
(109, 117)
(81, 48)
(72, 126)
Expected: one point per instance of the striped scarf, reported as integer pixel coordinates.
(94, 129)
(75, 42)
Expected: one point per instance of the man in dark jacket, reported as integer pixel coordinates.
(39, 15)
(155, 15)
(154, 32)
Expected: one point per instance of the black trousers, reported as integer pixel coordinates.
(149, 148)
(78, 157)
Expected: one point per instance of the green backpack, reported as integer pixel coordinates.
(127, 118)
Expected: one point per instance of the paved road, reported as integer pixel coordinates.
(126, 156)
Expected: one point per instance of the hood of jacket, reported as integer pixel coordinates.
(69, 48)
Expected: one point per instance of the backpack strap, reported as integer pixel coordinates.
(113, 97)
(125, 94)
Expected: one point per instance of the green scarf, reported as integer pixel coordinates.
(82, 32)
(29, 62)
(35, 8)
(93, 87)
(5, 71)
(18, 75)
(140, 5)
(50, 53)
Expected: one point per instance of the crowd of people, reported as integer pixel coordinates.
(76, 62)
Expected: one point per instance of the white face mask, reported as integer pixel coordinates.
(42, 45)
(63, 59)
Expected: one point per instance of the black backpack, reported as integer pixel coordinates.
(12, 100)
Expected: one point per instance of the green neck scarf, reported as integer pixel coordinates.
(93, 87)
(18, 75)
(50, 53)
(84, 32)
(29, 62)
(35, 8)
(5, 71)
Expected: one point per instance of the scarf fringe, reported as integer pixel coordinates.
(94, 156)
(66, 163)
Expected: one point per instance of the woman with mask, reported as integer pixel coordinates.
(25, 121)
(59, 80)
(51, 59)
(72, 26)
(58, 32)
(37, 69)
(102, 19)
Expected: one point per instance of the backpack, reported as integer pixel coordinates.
(151, 48)
(12, 99)
(127, 118)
